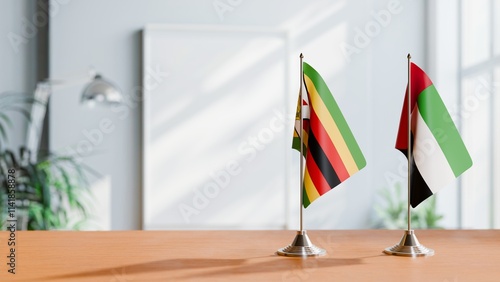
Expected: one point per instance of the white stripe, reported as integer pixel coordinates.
(305, 115)
(428, 156)
(306, 112)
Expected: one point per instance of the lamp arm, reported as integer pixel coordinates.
(57, 84)
(38, 111)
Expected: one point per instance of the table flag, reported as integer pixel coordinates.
(439, 154)
(331, 153)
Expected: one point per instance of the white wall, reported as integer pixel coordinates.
(368, 86)
(17, 57)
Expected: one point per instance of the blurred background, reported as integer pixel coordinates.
(200, 137)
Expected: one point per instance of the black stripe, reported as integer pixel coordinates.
(419, 189)
(322, 161)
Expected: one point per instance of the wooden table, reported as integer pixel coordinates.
(117, 256)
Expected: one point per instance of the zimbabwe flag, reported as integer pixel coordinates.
(331, 153)
(439, 154)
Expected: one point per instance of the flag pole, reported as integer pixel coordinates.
(409, 245)
(301, 172)
(301, 245)
(409, 139)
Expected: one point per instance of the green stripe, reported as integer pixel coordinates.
(437, 118)
(305, 199)
(296, 145)
(336, 114)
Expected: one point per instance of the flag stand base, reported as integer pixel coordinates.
(409, 247)
(301, 247)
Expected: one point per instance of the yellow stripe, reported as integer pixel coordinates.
(304, 133)
(330, 126)
(311, 191)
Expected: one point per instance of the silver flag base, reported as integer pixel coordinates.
(301, 247)
(409, 247)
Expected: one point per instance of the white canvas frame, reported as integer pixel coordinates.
(226, 210)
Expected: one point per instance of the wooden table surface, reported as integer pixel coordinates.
(116, 256)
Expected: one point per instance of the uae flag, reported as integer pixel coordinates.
(331, 153)
(439, 154)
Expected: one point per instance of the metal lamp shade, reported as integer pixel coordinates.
(101, 91)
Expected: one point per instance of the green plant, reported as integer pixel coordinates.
(51, 192)
(393, 213)
(47, 189)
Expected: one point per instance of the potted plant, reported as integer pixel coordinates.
(51, 192)
(392, 214)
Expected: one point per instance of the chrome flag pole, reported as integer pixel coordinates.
(301, 245)
(409, 245)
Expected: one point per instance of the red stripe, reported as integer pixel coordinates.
(305, 125)
(419, 82)
(316, 175)
(328, 147)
